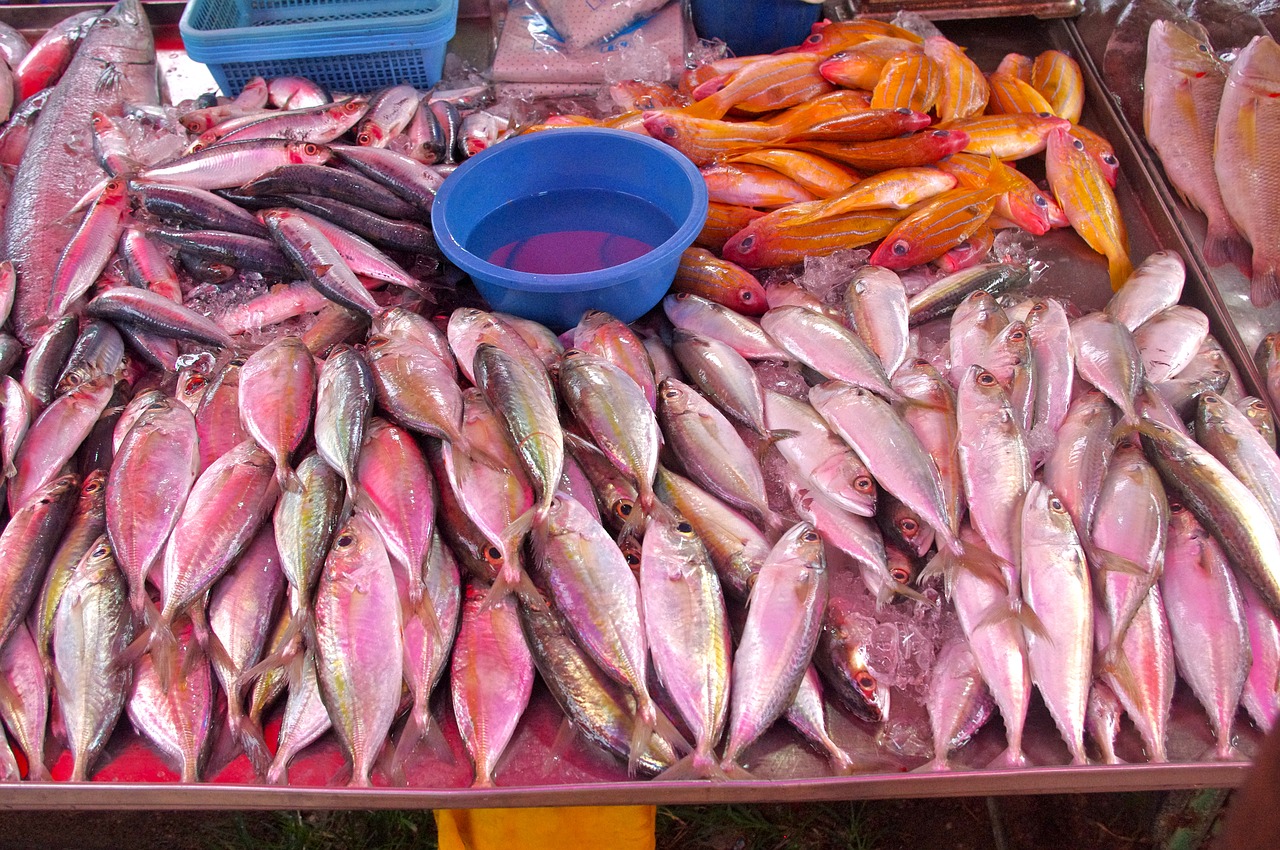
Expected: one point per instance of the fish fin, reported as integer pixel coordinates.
(891, 589)
(734, 770)
(696, 765)
(646, 720)
(162, 645)
(1224, 245)
(769, 438)
(322, 269)
(1119, 268)
(1106, 561)
(214, 648)
(523, 587)
(1265, 286)
(254, 743)
(10, 470)
(286, 477)
(937, 764)
(289, 650)
(1011, 757)
(86, 200)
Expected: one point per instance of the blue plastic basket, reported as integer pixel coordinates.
(352, 46)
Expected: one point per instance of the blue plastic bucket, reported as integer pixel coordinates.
(750, 27)
(516, 214)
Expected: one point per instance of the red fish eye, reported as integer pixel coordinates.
(920, 361)
(345, 540)
(684, 527)
(633, 560)
(92, 486)
(866, 683)
(671, 394)
(1110, 160)
(102, 550)
(99, 120)
(748, 296)
(1018, 336)
(863, 484)
(900, 248)
(493, 555)
(809, 536)
(908, 526)
(682, 296)
(310, 149)
(194, 383)
(623, 508)
(986, 379)
(900, 575)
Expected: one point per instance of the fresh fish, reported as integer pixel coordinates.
(843, 658)
(218, 414)
(603, 335)
(113, 65)
(277, 394)
(1255, 410)
(597, 706)
(1055, 583)
(1107, 357)
(1261, 695)
(161, 448)
(359, 649)
(807, 714)
(173, 709)
(90, 248)
(315, 255)
(780, 238)
(908, 81)
(736, 546)
(827, 347)
(1222, 504)
(725, 377)
(897, 188)
(1168, 340)
(941, 297)
(875, 304)
(958, 701)
(711, 450)
(153, 312)
(1053, 365)
(242, 609)
(54, 437)
(24, 704)
(1081, 189)
(197, 208)
(709, 319)
(48, 357)
(1227, 434)
(305, 720)
(1182, 92)
(304, 522)
(592, 586)
(18, 414)
(344, 399)
(687, 628)
(994, 462)
(1243, 163)
(963, 91)
(407, 178)
(931, 415)
(1102, 719)
(975, 325)
(468, 327)
(1076, 467)
(1207, 622)
(416, 387)
(92, 627)
(784, 618)
(819, 457)
(396, 496)
(491, 678)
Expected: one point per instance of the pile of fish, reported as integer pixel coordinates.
(680, 526)
(1210, 126)
(871, 134)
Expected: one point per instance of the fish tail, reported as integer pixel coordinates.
(162, 645)
(287, 652)
(937, 764)
(1013, 756)
(514, 534)
(1264, 289)
(512, 578)
(699, 764)
(645, 722)
(415, 729)
(253, 741)
(734, 770)
(1224, 245)
(286, 477)
(214, 648)
(1119, 268)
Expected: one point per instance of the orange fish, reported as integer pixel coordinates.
(706, 140)
(1087, 199)
(910, 81)
(768, 242)
(868, 125)
(859, 66)
(1008, 136)
(724, 220)
(1010, 95)
(940, 224)
(819, 175)
(1016, 65)
(823, 108)
(766, 84)
(923, 148)
(1057, 76)
(968, 253)
(964, 90)
(895, 189)
(752, 186)
(703, 273)
(694, 77)
(1101, 151)
(831, 37)
(641, 94)
(1024, 203)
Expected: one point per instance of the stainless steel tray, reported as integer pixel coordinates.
(946, 10)
(544, 767)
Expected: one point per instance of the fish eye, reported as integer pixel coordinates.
(920, 361)
(671, 393)
(815, 39)
(1039, 307)
(941, 134)
(102, 550)
(1044, 114)
(908, 526)
(986, 379)
(684, 527)
(746, 243)
(311, 149)
(900, 248)
(865, 682)
(194, 383)
(748, 296)
(899, 575)
(237, 362)
(1202, 47)
(1175, 507)
(633, 560)
(670, 132)
(377, 342)
(1055, 504)
(493, 555)
(902, 110)
(624, 508)
(1077, 144)
(1039, 200)
(93, 485)
(1109, 159)
(1018, 336)
(810, 537)
(863, 484)
(682, 296)
(345, 539)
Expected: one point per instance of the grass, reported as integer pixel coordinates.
(372, 830)
(765, 827)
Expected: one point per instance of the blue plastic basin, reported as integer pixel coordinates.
(615, 170)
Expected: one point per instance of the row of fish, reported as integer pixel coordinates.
(1210, 125)
(870, 134)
